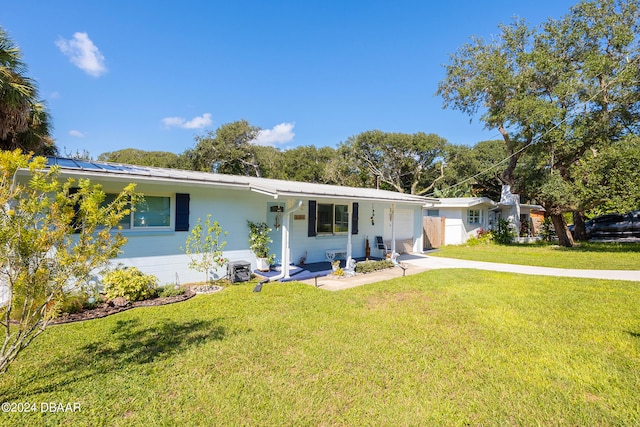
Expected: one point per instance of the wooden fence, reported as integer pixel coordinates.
(433, 231)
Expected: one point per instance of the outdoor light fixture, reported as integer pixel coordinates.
(278, 210)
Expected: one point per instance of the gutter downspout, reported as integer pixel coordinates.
(284, 270)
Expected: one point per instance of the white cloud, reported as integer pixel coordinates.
(198, 122)
(195, 123)
(173, 121)
(280, 134)
(76, 133)
(83, 54)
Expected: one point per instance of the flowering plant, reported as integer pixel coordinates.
(483, 232)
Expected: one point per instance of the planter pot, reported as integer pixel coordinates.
(263, 264)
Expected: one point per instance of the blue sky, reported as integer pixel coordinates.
(154, 74)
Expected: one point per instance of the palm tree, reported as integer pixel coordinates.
(24, 121)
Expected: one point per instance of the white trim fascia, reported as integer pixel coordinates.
(463, 202)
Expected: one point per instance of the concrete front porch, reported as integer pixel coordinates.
(307, 271)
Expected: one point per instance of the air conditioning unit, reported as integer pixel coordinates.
(239, 271)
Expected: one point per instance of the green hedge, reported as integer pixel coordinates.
(370, 266)
(170, 291)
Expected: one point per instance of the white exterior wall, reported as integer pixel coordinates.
(457, 230)
(159, 253)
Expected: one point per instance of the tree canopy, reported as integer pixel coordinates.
(161, 159)
(473, 171)
(410, 163)
(228, 149)
(609, 180)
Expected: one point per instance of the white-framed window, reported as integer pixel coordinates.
(473, 216)
(332, 219)
(153, 212)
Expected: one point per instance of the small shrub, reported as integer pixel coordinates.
(129, 283)
(504, 232)
(88, 304)
(170, 291)
(370, 266)
(483, 237)
(72, 304)
(338, 272)
(547, 232)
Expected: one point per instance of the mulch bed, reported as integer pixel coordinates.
(106, 309)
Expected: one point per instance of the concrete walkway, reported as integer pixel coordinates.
(334, 284)
(432, 262)
(417, 263)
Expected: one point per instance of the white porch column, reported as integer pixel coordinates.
(349, 225)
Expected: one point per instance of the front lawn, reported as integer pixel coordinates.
(591, 256)
(445, 347)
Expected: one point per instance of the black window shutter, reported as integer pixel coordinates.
(354, 218)
(311, 230)
(182, 212)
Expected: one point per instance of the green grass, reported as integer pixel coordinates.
(446, 347)
(591, 256)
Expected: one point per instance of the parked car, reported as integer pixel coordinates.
(614, 226)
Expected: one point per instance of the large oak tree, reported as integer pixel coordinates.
(555, 93)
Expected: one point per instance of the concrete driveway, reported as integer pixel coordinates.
(418, 263)
(432, 262)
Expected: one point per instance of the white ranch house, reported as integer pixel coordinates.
(307, 220)
(464, 216)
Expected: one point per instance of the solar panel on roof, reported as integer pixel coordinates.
(109, 167)
(88, 165)
(65, 163)
(129, 168)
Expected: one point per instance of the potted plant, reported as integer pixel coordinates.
(258, 243)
